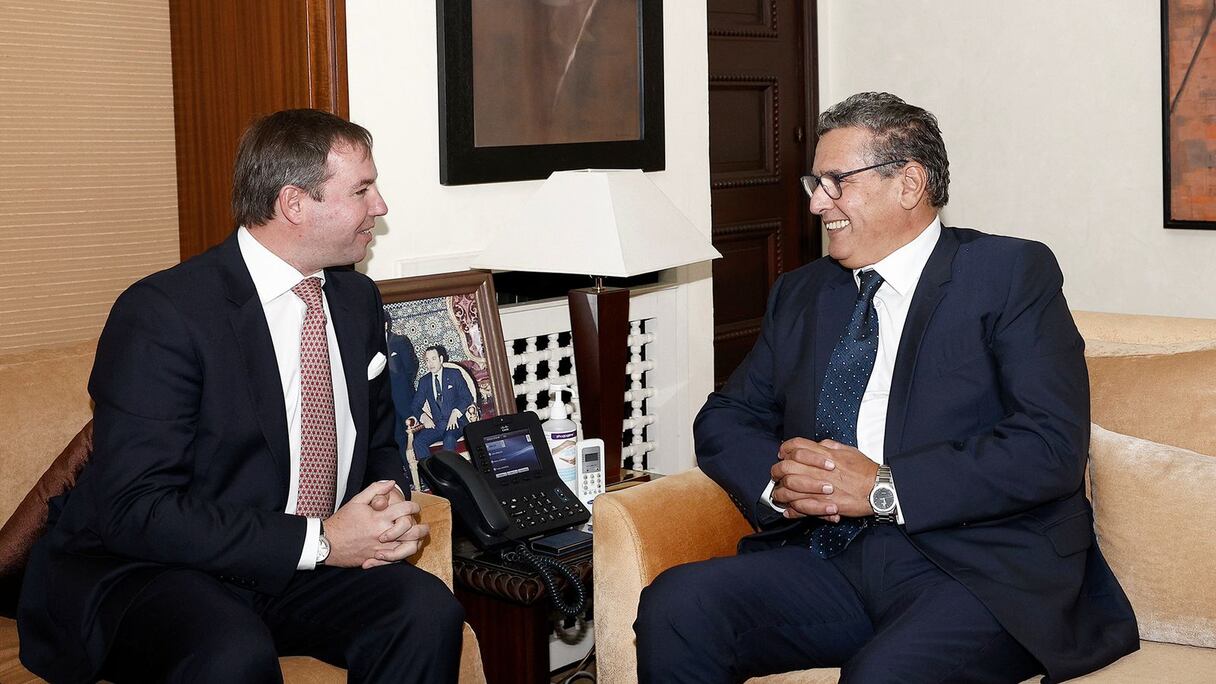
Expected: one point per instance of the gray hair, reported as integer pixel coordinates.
(901, 131)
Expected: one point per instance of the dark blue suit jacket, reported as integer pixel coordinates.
(987, 435)
(191, 465)
(453, 394)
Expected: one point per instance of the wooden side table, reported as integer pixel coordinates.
(510, 610)
(508, 606)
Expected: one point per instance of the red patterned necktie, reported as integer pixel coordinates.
(318, 436)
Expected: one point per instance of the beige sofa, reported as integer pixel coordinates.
(44, 404)
(1152, 468)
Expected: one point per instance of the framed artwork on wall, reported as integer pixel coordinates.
(530, 87)
(446, 359)
(1188, 78)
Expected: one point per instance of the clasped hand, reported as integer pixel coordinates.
(823, 479)
(376, 527)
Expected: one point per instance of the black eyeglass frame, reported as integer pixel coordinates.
(811, 181)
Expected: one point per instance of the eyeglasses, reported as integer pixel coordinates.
(830, 182)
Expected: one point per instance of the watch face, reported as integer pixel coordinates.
(882, 499)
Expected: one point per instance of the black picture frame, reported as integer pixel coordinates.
(461, 162)
(1168, 131)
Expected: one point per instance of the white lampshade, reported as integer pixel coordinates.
(599, 223)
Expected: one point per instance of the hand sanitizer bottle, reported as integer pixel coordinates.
(562, 435)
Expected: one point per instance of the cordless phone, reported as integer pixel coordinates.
(590, 479)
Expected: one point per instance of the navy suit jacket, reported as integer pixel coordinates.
(453, 394)
(987, 435)
(191, 463)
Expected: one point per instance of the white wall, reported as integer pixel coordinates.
(1051, 113)
(430, 228)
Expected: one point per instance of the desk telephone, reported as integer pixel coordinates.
(510, 495)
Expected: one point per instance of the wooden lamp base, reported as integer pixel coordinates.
(599, 321)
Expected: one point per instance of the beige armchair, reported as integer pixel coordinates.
(44, 404)
(1152, 379)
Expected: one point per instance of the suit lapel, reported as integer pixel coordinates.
(351, 333)
(256, 350)
(929, 292)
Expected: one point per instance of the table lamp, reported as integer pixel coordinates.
(598, 223)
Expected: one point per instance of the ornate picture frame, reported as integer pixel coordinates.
(529, 88)
(1188, 77)
(447, 360)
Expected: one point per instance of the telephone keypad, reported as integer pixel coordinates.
(540, 508)
(592, 482)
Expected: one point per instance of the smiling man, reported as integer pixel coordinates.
(909, 438)
(244, 498)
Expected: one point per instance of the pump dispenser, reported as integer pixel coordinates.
(562, 435)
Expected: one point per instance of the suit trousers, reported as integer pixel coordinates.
(879, 610)
(428, 436)
(393, 623)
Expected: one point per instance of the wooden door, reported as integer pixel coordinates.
(235, 60)
(762, 85)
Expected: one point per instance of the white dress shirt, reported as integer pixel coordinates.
(273, 279)
(900, 272)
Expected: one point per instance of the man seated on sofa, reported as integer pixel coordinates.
(909, 434)
(242, 501)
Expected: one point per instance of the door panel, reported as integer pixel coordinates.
(743, 136)
(761, 88)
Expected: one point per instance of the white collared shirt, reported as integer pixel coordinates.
(273, 279)
(900, 271)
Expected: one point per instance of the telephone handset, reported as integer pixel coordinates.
(460, 483)
(510, 494)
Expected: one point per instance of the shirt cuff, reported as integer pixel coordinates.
(308, 555)
(767, 497)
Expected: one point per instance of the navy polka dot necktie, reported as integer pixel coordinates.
(844, 383)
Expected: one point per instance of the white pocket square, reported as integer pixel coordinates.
(376, 367)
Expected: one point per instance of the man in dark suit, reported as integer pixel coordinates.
(243, 498)
(909, 437)
(444, 392)
(403, 376)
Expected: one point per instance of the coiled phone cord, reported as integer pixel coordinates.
(542, 564)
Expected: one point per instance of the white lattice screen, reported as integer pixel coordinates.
(541, 361)
(657, 431)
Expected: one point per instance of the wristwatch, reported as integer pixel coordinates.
(882, 496)
(322, 546)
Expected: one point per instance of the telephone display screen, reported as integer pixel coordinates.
(512, 453)
(591, 461)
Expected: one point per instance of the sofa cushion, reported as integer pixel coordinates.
(1169, 398)
(1151, 502)
(45, 403)
(1156, 662)
(25, 525)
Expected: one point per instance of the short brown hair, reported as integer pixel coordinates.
(290, 147)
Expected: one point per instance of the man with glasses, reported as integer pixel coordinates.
(908, 436)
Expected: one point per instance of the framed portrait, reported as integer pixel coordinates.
(529, 87)
(446, 359)
(1188, 80)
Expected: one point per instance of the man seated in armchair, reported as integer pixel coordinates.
(908, 436)
(442, 402)
(245, 495)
